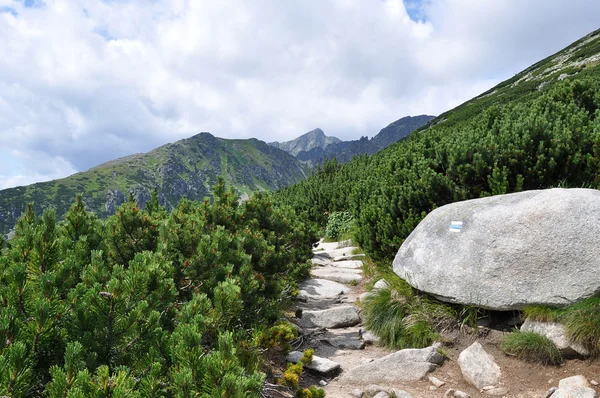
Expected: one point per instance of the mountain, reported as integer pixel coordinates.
(188, 167)
(313, 139)
(343, 151)
(537, 130)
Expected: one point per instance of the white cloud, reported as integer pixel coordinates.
(85, 81)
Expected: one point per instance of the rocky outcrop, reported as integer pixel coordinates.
(508, 251)
(478, 367)
(401, 366)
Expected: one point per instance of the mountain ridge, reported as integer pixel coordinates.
(313, 139)
(188, 167)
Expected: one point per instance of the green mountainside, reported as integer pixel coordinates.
(185, 168)
(539, 129)
(313, 139)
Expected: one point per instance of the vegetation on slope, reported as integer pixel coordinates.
(185, 168)
(533, 131)
(148, 304)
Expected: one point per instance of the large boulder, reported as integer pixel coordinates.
(508, 251)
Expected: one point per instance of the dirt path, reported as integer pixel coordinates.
(523, 380)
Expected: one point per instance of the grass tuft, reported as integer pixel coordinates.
(582, 322)
(531, 347)
(541, 314)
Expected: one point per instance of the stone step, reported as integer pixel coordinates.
(351, 257)
(331, 318)
(341, 275)
(321, 289)
(353, 264)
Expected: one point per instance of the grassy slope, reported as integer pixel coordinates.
(188, 167)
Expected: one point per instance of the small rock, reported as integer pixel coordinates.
(574, 392)
(382, 394)
(563, 76)
(433, 388)
(574, 381)
(369, 338)
(478, 367)
(351, 343)
(550, 392)
(449, 393)
(461, 394)
(435, 381)
(322, 383)
(594, 382)
(356, 393)
(372, 390)
(318, 364)
(381, 284)
(397, 393)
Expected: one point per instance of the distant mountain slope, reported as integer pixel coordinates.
(185, 168)
(344, 151)
(313, 139)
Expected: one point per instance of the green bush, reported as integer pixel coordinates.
(531, 347)
(339, 225)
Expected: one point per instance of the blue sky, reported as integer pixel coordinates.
(86, 81)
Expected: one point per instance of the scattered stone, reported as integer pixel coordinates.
(432, 388)
(461, 394)
(397, 393)
(320, 289)
(574, 381)
(496, 391)
(322, 383)
(342, 275)
(478, 367)
(350, 343)
(356, 393)
(382, 394)
(364, 296)
(562, 76)
(502, 252)
(449, 393)
(550, 392)
(331, 318)
(435, 381)
(574, 392)
(404, 365)
(557, 334)
(381, 284)
(318, 364)
(369, 337)
(594, 382)
(372, 390)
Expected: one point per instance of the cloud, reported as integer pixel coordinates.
(86, 81)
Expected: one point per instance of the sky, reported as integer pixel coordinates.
(86, 81)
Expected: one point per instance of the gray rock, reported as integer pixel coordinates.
(356, 393)
(382, 394)
(351, 257)
(364, 296)
(563, 76)
(318, 364)
(331, 318)
(381, 284)
(435, 381)
(528, 248)
(397, 393)
(557, 333)
(342, 275)
(320, 261)
(322, 383)
(574, 392)
(369, 337)
(574, 381)
(319, 289)
(478, 367)
(404, 365)
(341, 252)
(372, 390)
